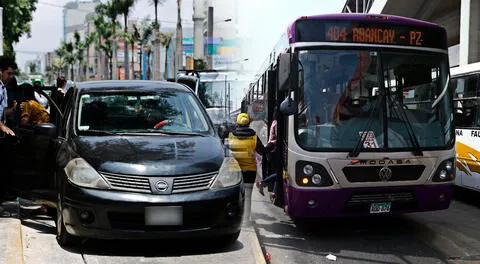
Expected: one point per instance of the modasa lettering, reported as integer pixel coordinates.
(374, 35)
(381, 162)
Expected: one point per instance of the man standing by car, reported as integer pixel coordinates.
(7, 67)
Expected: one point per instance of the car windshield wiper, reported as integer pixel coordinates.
(364, 133)
(181, 133)
(94, 132)
(401, 114)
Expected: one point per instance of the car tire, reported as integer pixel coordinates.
(64, 239)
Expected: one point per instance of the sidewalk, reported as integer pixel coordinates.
(11, 249)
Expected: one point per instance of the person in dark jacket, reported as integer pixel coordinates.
(244, 142)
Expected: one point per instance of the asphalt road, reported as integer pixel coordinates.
(448, 236)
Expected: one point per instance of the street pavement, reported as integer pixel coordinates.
(448, 236)
(10, 234)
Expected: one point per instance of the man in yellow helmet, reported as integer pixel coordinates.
(244, 143)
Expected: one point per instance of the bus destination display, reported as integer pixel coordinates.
(370, 33)
(374, 35)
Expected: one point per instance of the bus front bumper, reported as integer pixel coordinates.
(367, 201)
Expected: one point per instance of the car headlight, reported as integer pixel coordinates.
(80, 173)
(229, 174)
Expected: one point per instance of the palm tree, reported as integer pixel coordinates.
(65, 51)
(179, 49)
(156, 3)
(165, 40)
(123, 7)
(146, 32)
(90, 38)
(110, 10)
(79, 47)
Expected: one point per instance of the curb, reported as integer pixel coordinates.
(249, 227)
(11, 247)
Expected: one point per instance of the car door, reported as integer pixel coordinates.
(32, 158)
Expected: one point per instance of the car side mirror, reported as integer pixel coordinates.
(222, 131)
(46, 129)
(288, 107)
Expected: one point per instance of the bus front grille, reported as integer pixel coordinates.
(371, 173)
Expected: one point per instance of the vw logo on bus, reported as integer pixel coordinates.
(385, 173)
(161, 186)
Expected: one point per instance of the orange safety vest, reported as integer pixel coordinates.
(244, 151)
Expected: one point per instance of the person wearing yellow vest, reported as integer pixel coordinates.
(243, 142)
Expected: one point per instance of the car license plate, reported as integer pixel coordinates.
(377, 208)
(164, 215)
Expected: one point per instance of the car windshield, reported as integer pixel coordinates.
(340, 93)
(141, 112)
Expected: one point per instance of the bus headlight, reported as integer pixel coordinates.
(317, 179)
(80, 173)
(229, 174)
(445, 172)
(308, 170)
(311, 174)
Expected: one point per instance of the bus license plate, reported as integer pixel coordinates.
(377, 208)
(164, 215)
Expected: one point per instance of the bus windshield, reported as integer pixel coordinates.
(212, 94)
(389, 97)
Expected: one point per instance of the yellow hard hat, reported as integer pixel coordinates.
(243, 119)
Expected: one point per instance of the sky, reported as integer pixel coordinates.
(262, 22)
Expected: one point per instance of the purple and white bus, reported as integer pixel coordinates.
(366, 123)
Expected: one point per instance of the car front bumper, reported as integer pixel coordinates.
(122, 215)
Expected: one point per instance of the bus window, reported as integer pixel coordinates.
(466, 102)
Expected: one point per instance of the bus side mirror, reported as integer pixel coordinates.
(288, 107)
(283, 72)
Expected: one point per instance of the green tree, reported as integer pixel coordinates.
(17, 15)
(110, 11)
(123, 7)
(65, 52)
(78, 53)
(146, 32)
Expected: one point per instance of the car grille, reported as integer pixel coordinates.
(181, 184)
(191, 183)
(370, 173)
(128, 182)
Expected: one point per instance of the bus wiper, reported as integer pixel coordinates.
(402, 115)
(94, 132)
(364, 133)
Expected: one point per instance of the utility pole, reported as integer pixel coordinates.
(210, 37)
(198, 18)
